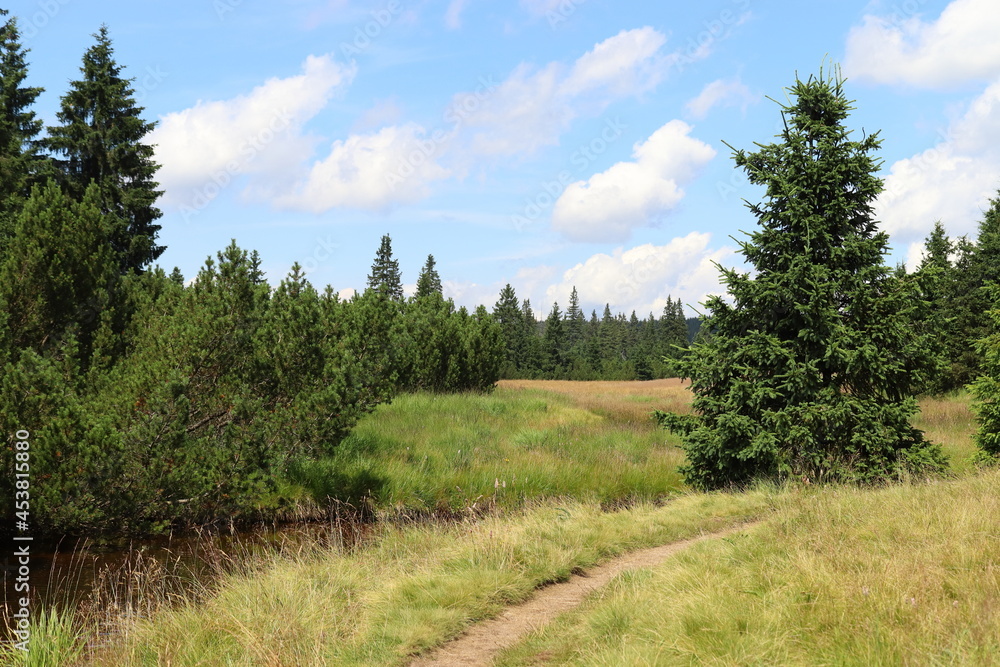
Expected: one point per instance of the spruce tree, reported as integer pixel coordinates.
(811, 365)
(936, 276)
(977, 265)
(19, 128)
(429, 282)
(554, 341)
(507, 314)
(575, 321)
(986, 388)
(385, 277)
(100, 141)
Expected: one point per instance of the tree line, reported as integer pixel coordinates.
(152, 400)
(569, 346)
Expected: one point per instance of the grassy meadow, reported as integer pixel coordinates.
(564, 475)
(590, 441)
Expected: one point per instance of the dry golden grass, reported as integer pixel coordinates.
(625, 401)
(950, 422)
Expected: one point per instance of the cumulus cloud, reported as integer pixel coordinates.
(533, 106)
(724, 92)
(642, 277)
(624, 65)
(960, 46)
(951, 181)
(203, 148)
(369, 171)
(608, 205)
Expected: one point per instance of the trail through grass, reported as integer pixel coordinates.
(907, 574)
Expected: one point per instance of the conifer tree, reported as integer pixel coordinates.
(936, 277)
(811, 366)
(508, 316)
(554, 341)
(58, 273)
(986, 388)
(977, 265)
(575, 321)
(428, 282)
(19, 157)
(100, 139)
(385, 277)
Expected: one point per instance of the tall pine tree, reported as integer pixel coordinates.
(811, 367)
(428, 282)
(385, 277)
(19, 128)
(100, 140)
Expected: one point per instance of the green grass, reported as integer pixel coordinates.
(897, 575)
(451, 452)
(907, 574)
(411, 588)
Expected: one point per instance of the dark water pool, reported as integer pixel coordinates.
(76, 573)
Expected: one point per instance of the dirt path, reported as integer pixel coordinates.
(480, 645)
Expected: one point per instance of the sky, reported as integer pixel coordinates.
(543, 143)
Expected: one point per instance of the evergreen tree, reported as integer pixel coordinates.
(533, 352)
(810, 368)
(19, 158)
(976, 266)
(58, 275)
(429, 282)
(385, 277)
(986, 388)
(575, 321)
(100, 139)
(507, 314)
(554, 342)
(936, 277)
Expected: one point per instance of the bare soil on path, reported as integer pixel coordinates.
(483, 641)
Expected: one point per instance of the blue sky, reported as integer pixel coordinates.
(544, 143)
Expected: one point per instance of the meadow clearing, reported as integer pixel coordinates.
(539, 480)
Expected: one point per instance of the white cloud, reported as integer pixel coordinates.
(204, 148)
(950, 182)
(520, 115)
(642, 277)
(961, 45)
(625, 64)
(534, 106)
(369, 171)
(610, 204)
(725, 92)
